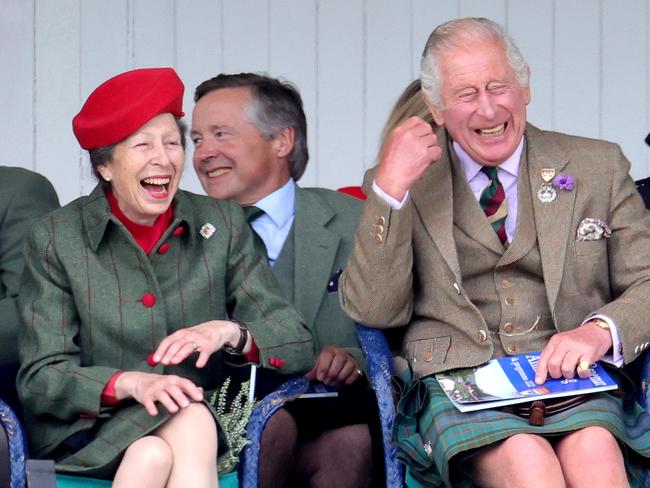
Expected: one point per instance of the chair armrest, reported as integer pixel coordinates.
(16, 445)
(644, 385)
(379, 361)
(271, 403)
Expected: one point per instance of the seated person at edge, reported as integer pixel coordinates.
(563, 267)
(410, 103)
(250, 145)
(131, 294)
(24, 196)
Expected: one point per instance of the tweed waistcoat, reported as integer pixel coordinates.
(284, 268)
(518, 317)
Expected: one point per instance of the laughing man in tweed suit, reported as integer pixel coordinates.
(250, 139)
(570, 275)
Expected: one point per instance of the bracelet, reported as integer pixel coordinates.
(243, 337)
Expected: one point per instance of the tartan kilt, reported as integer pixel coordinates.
(434, 438)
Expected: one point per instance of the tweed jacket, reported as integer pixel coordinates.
(93, 303)
(324, 226)
(24, 196)
(404, 270)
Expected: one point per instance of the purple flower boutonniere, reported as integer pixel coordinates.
(563, 182)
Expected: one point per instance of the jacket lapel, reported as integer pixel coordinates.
(432, 199)
(468, 214)
(552, 220)
(315, 252)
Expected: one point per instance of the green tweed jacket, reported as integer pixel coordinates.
(404, 270)
(24, 196)
(85, 316)
(324, 226)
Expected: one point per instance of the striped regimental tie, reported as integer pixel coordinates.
(493, 203)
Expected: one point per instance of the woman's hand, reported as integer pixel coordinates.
(205, 338)
(173, 392)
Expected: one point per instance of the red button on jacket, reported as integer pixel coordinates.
(178, 231)
(163, 248)
(148, 300)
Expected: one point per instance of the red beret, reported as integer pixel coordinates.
(121, 105)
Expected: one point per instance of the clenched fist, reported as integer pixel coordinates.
(411, 148)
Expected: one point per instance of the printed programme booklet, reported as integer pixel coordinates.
(510, 380)
(320, 390)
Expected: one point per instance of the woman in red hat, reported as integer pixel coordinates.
(132, 295)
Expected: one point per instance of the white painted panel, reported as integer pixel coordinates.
(340, 109)
(577, 73)
(426, 15)
(621, 119)
(16, 58)
(293, 56)
(388, 70)
(57, 97)
(104, 54)
(492, 9)
(530, 24)
(198, 58)
(245, 35)
(153, 38)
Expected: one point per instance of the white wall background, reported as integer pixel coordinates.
(590, 62)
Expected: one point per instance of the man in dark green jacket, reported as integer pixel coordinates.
(24, 195)
(250, 139)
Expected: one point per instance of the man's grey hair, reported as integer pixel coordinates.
(453, 34)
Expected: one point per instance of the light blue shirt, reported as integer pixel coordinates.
(274, 225)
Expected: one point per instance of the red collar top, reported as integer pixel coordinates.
(147, 236)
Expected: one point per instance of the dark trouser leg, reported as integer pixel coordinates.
(277, 450)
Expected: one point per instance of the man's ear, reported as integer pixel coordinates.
(283, 141)
(438, 115)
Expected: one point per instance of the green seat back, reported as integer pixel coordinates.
(228, 480)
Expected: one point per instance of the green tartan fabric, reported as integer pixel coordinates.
(434, 438)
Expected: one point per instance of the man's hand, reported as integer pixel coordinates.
(335, 367)
(173, 392)
(566, 350)
(411, 148)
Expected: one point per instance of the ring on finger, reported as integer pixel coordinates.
(195, 347)
(584, 366)
(359, 372)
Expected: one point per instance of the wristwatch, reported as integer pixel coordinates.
(243, 336)
(600, 323)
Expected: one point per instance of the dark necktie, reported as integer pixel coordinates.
(493, 202)
(251, 214)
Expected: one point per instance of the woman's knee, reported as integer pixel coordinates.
(150, 452)
(195, 417)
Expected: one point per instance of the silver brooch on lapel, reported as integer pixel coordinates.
(546, 193)
(207, 230)
(591, 229)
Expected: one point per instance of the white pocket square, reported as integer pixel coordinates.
(591, 229)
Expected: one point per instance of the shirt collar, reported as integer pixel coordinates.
(471, 168)
(280, 204)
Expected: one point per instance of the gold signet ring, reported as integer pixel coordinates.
(584, 365)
